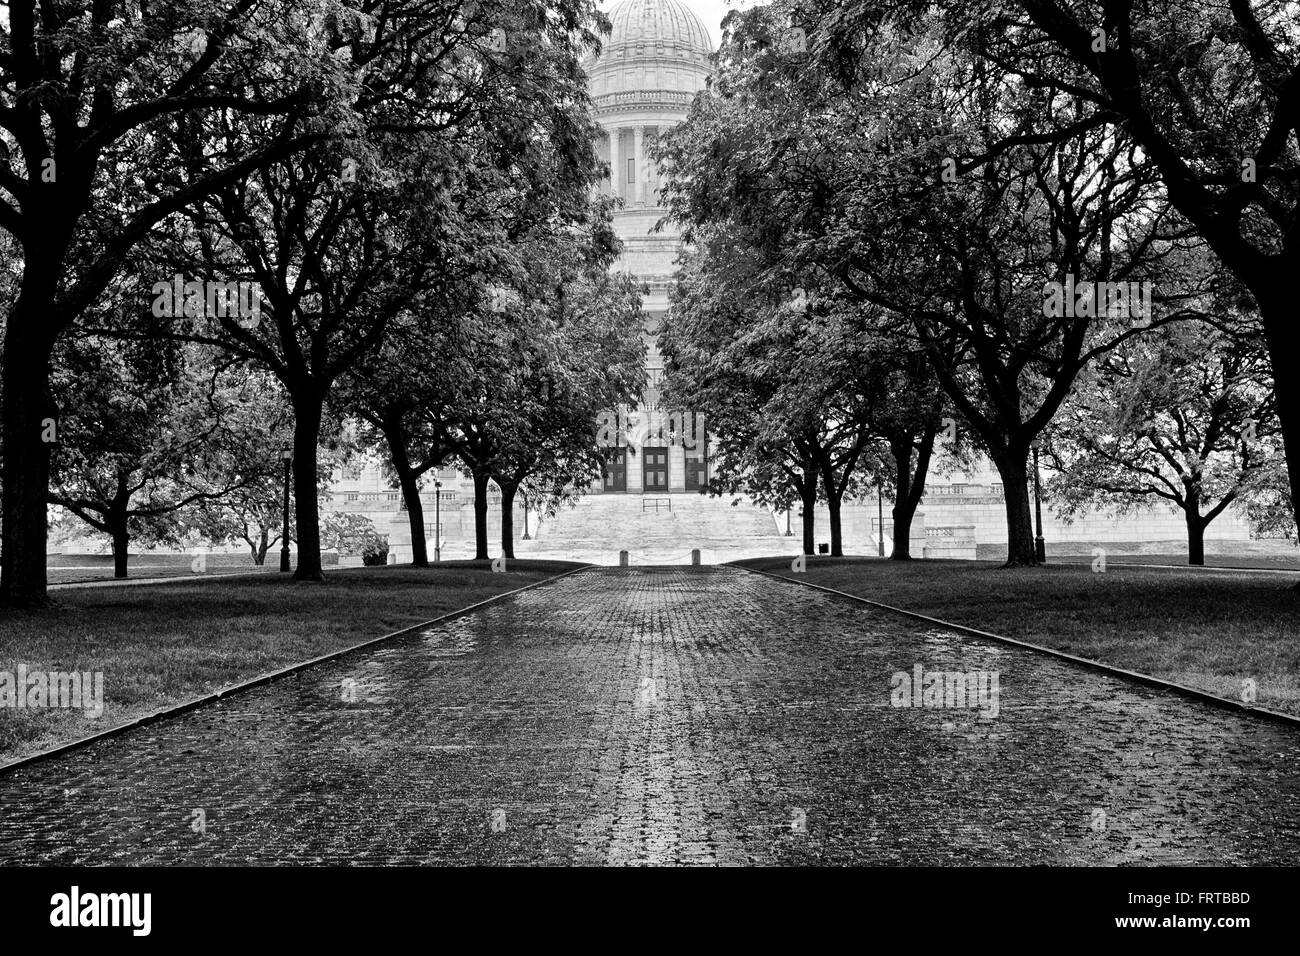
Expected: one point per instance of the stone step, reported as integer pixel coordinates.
(600, 526)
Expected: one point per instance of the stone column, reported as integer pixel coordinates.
(638, 150)
(651, 175)
(614, 170)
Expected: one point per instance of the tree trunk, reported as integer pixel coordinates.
(25, 404)
(1014, 471)
(1195, 527)
(121, 540)
(508, 490)
(808, 495)
(480, 515)
(902, 515)
(407, 479)
(1283, 340)
(909, 489)
(833, 497)
(259, 552)
(306, 436)
(415, 517)
(1195, 541)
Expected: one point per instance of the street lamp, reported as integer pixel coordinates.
(526, 537)
(437, 521)
(788, 532)
(1040, 548)
(287, 455)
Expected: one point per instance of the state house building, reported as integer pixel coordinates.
(642, 84)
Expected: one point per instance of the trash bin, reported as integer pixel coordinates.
(823, 549)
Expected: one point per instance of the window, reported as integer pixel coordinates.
(631, 170)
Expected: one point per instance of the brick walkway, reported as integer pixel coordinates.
(643, 716)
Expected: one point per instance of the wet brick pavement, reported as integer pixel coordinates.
(670, 716)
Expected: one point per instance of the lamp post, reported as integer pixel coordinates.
(437, 521)
(526, 536)
(287, 455)
(788, 532)
(1040, 547)
(880, 515)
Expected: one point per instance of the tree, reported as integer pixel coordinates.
(254, 512)
(1186, 416)
(1209, 92)
(578, 353)
(88, 95)
(597, 361)
(148, 431)
(781, 381)
(1268, 506)
(346, 237)
(143, 123)
(906, 417)
(401, 396)
(854, 162)
(251, 514)
(354, 534)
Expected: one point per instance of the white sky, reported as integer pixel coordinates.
(710, 11)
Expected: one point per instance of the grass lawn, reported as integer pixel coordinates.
(165, 644)
(1267, 553)
(1208, 630)
(80, 568)
(85, 575)
(1262, 562)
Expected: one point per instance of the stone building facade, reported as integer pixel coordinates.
(650, 68)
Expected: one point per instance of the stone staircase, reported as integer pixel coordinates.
(658, 529)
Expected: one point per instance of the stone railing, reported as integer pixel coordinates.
(649, 97)
(964, 492)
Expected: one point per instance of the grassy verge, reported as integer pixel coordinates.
(164, 644)
(1206, 630)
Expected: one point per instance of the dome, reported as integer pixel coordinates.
(656, 47)
(666, 24)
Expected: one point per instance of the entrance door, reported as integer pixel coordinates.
(695, 472)
(616, 469)
(655, 463)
